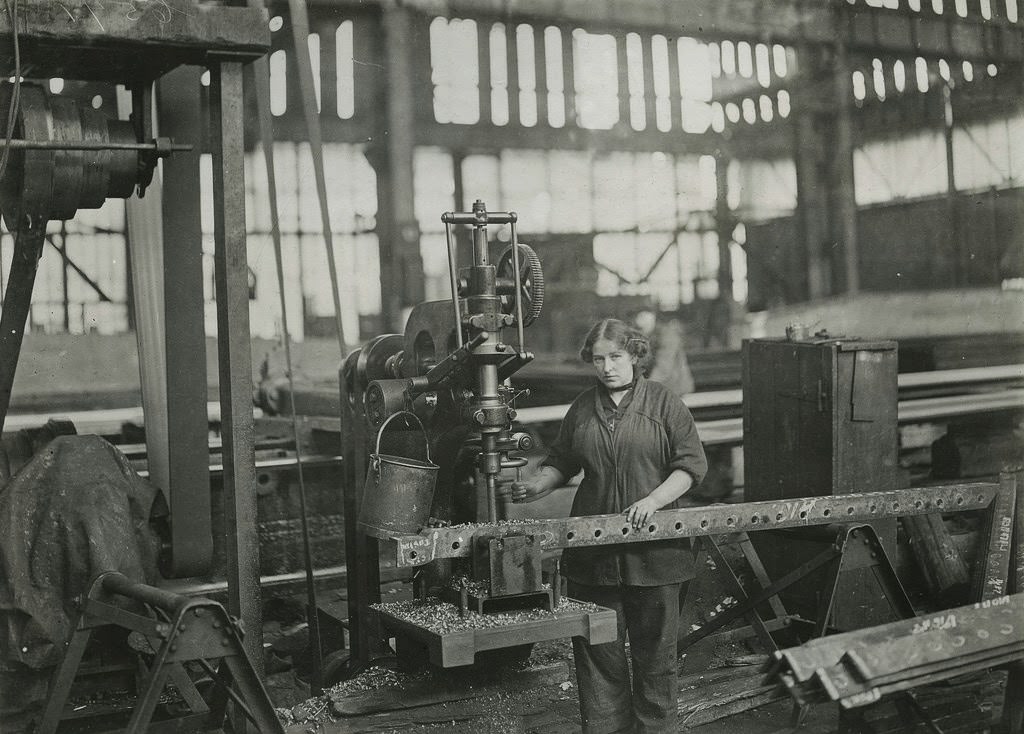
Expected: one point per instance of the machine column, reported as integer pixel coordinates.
(235, 359)
(401, 262)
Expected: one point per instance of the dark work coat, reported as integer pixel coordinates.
(654, 436)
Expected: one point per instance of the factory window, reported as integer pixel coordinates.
(527, 75)
(728, 55)
(497, 44)
(635, 82)
(762, 189)
(899, 76)
(596, 80)
(921, 74)
(648, 216)
(345, 69)
(762, 56)
(908, 167)
(525, 186)
(433, 193)
(662, 83)
(554, 76)
(780, 60)
(481, 177)
(352, 207)
(744, 59)
(784, 107)
(696, 70)
(989, 154)
(84, 290)
(278, 82)
(455, 71)
(714, 59)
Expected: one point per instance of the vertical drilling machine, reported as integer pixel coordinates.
(447, 380)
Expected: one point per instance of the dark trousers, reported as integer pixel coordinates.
(649, 615)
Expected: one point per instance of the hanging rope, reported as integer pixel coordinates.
(300, 36)
(261, 80)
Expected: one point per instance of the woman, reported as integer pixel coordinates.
(638, 448)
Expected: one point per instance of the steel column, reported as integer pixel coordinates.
(401, 263)
(809, 205)
(235, 359)
(28, 247)
(844, 205)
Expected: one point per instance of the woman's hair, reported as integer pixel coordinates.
(629, 339)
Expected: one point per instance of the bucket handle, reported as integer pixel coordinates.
(380, 432)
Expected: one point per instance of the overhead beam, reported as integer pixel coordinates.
(864, 28)
(910, 112)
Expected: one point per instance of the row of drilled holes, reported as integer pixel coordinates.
(731, 521)
(827, 512)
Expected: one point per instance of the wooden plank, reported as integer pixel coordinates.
(446, 688)
(938, 557)
(80, 39)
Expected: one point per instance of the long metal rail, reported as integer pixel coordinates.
(728, 430)
(457, 541)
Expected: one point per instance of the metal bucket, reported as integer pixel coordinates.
(398, 491)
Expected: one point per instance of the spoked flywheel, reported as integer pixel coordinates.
(531, 282)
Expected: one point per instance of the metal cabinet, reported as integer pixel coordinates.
(819, 419)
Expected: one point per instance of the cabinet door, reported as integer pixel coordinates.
(787, 441)
(867, 446)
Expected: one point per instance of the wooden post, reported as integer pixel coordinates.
(945, 571)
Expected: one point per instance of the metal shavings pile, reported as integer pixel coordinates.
(496, 523)
(474, 587)
(443, 618)
(373, 679)
(318, 710)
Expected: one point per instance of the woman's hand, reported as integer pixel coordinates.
(523, 491)
(641, 511)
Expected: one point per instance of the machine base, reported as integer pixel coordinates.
(452, 640)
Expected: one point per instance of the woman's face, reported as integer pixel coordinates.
(614, 364)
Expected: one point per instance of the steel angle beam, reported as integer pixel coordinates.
(875, 694)
(848, 688)
(456, 541)
(871, 644)
(992, 568)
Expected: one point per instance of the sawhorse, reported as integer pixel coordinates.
(180, 630)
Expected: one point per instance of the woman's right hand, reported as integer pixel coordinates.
(524, 491)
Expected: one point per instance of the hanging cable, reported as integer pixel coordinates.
(12, 110)
(300, 36)
(261, 78)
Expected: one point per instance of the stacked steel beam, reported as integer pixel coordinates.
(860, 667)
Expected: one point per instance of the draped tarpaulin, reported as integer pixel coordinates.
(78, 508)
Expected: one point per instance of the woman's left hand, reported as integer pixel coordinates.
(641, 511)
